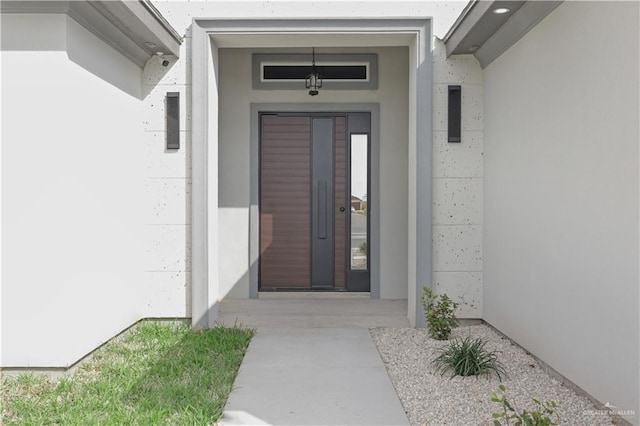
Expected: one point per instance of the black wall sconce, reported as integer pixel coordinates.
(455, 114)
(172, 120)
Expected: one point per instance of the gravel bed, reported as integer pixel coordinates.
(432, 399)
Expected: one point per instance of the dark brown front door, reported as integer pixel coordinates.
(304, 203)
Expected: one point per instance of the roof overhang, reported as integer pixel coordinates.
(486, 34)
(134, 28)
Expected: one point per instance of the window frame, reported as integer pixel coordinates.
(370, 60)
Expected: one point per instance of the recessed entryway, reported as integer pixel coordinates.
(225, 137)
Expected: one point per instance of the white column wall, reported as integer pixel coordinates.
(236, 95)
(413, 313)
(457, 184)
(167, 190)
(561, 196)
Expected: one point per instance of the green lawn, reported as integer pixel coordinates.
(157, 374)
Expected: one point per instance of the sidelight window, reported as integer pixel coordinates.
(359, 209)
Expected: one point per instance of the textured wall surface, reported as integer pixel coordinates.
(457, 184)
(167, 190)
(181, 13)
(561, 196)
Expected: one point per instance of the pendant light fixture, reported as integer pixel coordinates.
(313, 81)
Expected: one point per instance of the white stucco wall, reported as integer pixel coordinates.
(167, 192)
(457, 184)
(72, 242)
(77, 208)
(181, 13)
(561, 196)
(236, 95)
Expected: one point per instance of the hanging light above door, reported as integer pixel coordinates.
(313, 81)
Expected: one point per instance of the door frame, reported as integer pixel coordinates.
(374, 202)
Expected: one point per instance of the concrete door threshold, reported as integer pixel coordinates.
(313, 295)
(312, 312)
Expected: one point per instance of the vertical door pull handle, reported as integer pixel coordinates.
(322, 209)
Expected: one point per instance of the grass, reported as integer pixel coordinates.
(158, 374)
(468, 357)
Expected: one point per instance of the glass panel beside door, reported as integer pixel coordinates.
(359, 193)
(359, 254)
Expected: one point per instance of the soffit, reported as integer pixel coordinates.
(486, 35)
(134, 28)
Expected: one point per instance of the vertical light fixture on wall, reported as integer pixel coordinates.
(455, 114)
(172, 120)
(313, 81)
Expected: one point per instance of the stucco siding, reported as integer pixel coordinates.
(72, 243)
(561, 196)
(180, 14)
(457, 184)
(167, 192)
(94, 209)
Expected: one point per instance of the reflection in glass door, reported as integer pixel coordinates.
(359, 257)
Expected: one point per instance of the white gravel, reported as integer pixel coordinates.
(432, 399)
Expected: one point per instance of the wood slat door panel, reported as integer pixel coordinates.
(285, 203)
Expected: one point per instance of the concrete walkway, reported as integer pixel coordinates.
(301, 375)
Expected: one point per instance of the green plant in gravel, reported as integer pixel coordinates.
(156, 374)
(439, 314)
(468, 357)
(539, 417)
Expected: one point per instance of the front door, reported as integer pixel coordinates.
(314, 180)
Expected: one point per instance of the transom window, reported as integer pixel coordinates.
(298, 72)
(338, 71)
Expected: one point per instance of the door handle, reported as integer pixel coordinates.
(341, 209)
(322, 209)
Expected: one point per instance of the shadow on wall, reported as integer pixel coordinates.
(60, 33)
(92, 54)
(170, 73)
(155, 70)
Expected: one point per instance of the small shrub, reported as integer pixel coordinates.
(524, 417)
(439, 314)
(468, 357)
